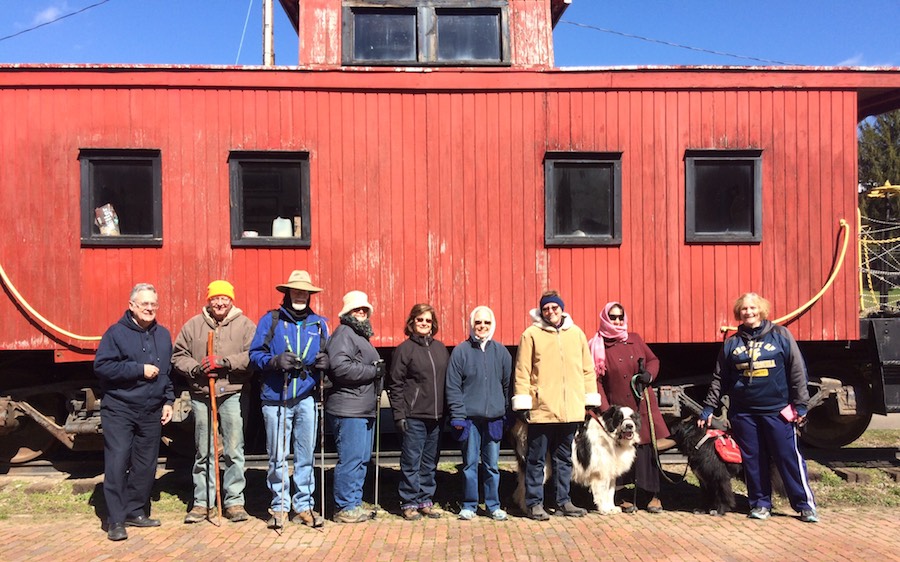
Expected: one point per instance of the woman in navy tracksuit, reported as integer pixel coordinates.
(760, 368)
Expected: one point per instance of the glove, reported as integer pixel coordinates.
(379, 369)
(401, 427)
(644, 377)
(285, 361)
(197, 372)
(704, 416)
(322, 363)
(460, 429)
(459, 424)
(212, 363)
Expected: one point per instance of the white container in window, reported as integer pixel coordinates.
(282, 228)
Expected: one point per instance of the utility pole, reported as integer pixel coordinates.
(268, 42)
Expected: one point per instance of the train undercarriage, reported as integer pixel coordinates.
(849, 382)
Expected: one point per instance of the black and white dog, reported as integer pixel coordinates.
(602, 450)
(713, 473)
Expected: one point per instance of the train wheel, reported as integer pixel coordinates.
(30, 441)
(826, 429)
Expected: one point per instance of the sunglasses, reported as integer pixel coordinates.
(617, 316)
(480, 322)
(421, 320)
(550, 308)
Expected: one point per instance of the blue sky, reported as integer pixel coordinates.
(806, 32)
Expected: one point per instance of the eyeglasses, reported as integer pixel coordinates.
(617, 316)
(422, 320)
(550, 308)
(146, 305)
(220, 300)
(480, 322)
(359, 309)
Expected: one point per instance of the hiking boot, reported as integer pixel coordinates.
(537, 513)
(431, 511)
(310, 518)
(353, 515)
(277, 520)
(571, 510)
(760, 513)
(235, 513)
(627, 506)
(809, 516)
(196, 515)
(411, 514)
(654, 505)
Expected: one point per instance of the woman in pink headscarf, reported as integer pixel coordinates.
(617, 357)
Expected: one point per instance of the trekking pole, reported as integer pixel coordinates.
(279, 521)
(377, 441)
(215, 430)
(320, 410)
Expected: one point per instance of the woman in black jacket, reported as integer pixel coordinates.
(351, 403)
(416, 390)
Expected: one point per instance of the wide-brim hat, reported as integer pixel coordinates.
(299, 279)
(354, 300)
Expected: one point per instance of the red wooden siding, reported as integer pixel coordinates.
(431, 189)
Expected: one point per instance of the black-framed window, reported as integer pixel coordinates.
(270, 198)
(583, 198)
(425, 32)
(723, 195)
(121, 197)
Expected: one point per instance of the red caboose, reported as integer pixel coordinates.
(428, 151)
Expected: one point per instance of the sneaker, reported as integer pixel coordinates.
(235, 513)
(654, 505)
(571, 510)
(809, 516)
(310, 518)
(466, 514)
(432, 511)
(411, 514)
(353, 515)
(277, 520)
(196, 515)
(760, 513)
(499, 515)
(537, 513)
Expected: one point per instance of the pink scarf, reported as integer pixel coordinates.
(609, 331)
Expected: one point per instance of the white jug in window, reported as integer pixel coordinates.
(281, 228)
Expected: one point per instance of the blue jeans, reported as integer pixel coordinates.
(418, 463)
(480, 447)
(299, 421)
(353, 439)
(231, 425)
(555, 438)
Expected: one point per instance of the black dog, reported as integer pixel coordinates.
(713, 473)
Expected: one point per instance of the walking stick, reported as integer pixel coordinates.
(215, 431)
(377, 441)
(320, 410)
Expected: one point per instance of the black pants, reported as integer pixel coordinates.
(130, 451)
(645, 472)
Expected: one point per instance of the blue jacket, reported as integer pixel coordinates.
(119, 364)
(305, 338)
(478, 380)
(761, 370)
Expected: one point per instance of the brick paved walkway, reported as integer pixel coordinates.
(843, 534)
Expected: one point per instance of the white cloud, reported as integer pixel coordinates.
(855, 60)
(47, 15)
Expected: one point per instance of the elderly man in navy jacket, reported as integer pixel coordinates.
(133, 363)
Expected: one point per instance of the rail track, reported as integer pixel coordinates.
(92, 465)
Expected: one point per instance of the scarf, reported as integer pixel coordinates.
(606, 331)
(363, 328)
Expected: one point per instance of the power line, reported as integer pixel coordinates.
(670, 44)
(86, 8)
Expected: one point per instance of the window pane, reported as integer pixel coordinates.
(271, 190)
(584, 199)
(384, 35)
(128, 188)
(724, 197)
(468, 35)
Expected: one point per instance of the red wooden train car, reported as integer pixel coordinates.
(452, 174)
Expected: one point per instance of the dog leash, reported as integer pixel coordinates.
(646, 396)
